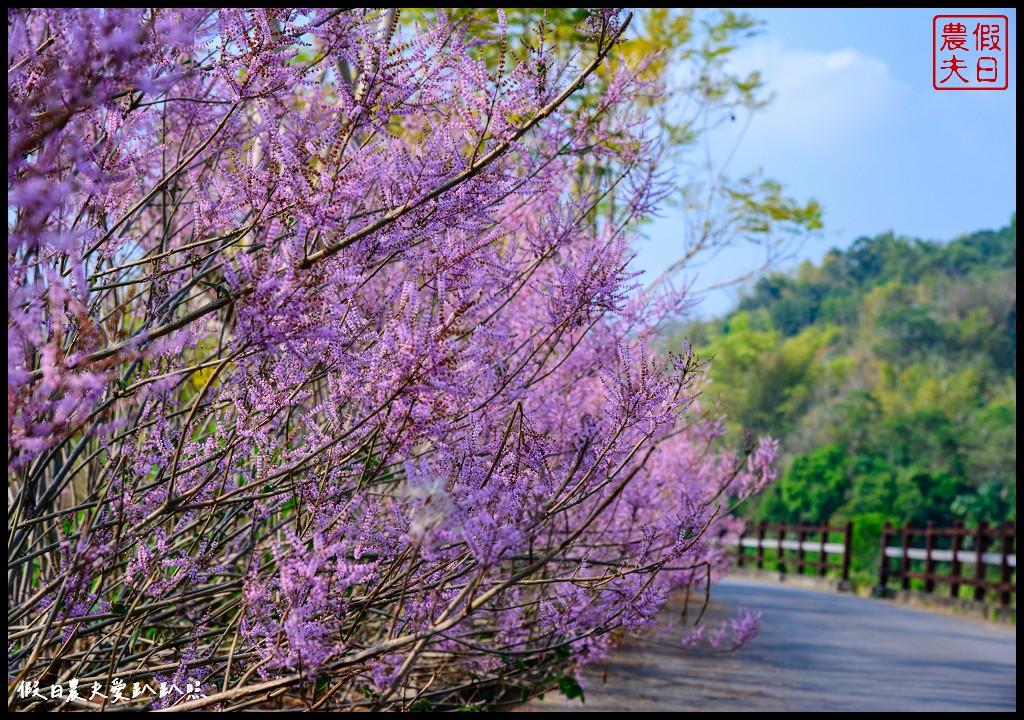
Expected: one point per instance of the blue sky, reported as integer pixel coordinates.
(856, 124)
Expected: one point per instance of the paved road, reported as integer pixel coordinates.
(817, 651)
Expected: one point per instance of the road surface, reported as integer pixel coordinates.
(817, 651)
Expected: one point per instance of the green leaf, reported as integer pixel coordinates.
(221, 290)
(570, 688)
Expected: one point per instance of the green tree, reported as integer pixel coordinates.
(888, 371)
(815, 485)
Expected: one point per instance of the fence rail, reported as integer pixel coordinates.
(799, 540)
(965, 547)
(964, 556)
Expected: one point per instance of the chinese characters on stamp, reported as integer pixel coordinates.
(970, 52)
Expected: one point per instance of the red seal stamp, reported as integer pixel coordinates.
(970, 52)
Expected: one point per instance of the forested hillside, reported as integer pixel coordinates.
(888, 373)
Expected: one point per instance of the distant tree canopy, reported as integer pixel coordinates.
(888, 372)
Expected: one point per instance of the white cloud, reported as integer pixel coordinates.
(819, 98)
(841, 60)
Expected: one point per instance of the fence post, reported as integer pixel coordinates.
(979, 561)
(821, 551)
(929, 562)
(1009, 535)
(847, 548)
(739, 547)
(760, 544)
(883, 565)
(801, 535)
(954, 568)
(905, 560)
(782, 562)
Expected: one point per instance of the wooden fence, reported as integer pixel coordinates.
(982, 558)
(797, 547)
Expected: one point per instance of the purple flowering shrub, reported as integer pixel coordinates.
(326, 376)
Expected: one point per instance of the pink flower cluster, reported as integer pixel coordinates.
(324, 360)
